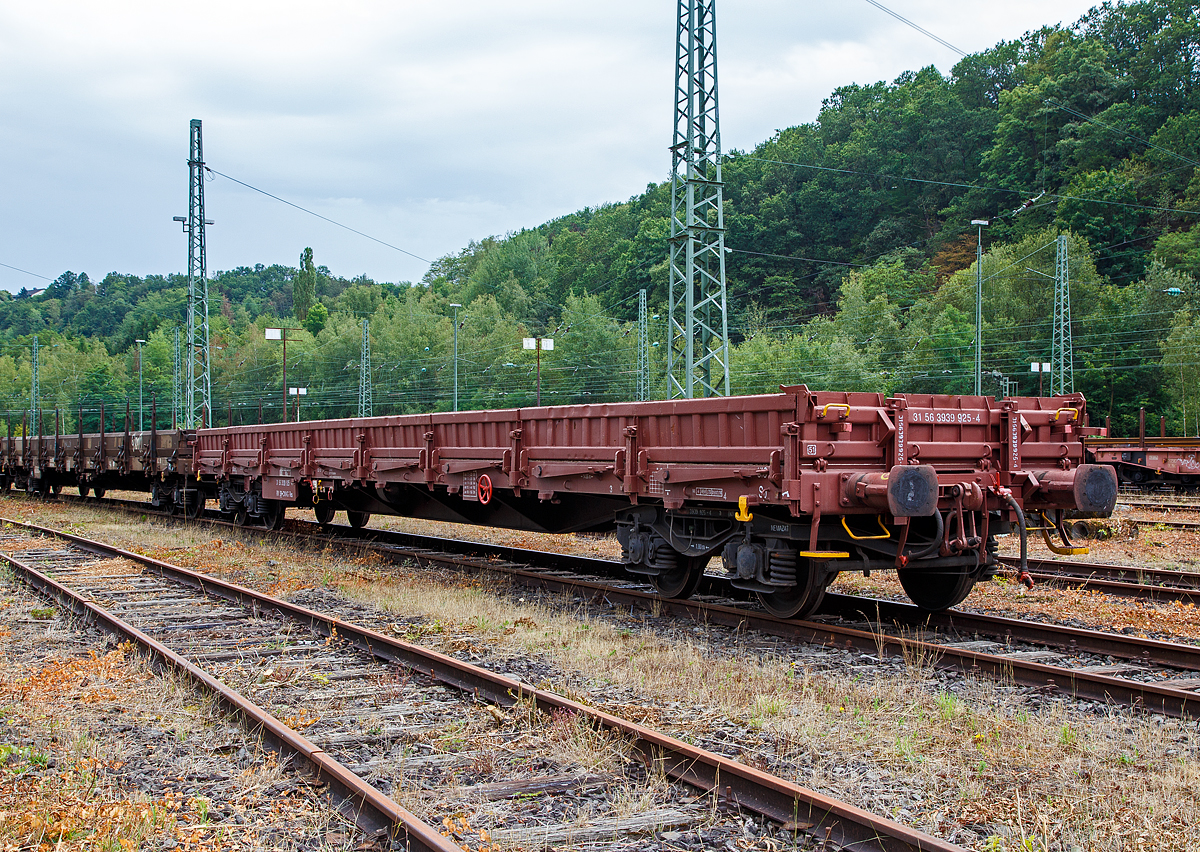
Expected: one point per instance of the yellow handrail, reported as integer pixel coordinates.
(886, 532)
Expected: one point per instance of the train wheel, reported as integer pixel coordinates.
(800, 600)
(83, 489)
(935, 591)
(193, 505)
(682, 580)
(273, 514)
(324, 512)
(56, 488)
(358, 520)
(241, 517)
(99, 492)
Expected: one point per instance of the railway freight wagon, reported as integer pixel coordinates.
(1148, 462)
(153, 461)
(1151, 463)
(786, 489)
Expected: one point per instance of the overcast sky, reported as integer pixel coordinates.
(423, 124)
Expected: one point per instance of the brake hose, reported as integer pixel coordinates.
(1023, 575)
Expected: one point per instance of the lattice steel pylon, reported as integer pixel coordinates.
(698, 355)
(34, 384)
(197, 378)
(1062, 357)
(177, 382)
(364, 372)
(643, 349)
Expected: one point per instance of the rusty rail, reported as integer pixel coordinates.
(831, 820)
(374, 813)
(1126, 580)
(1070, 639)
(1167, 700)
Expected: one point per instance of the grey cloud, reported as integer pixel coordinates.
(424, 124)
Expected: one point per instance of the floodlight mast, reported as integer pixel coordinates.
(456, 306)
(280, 334)
(698, 354)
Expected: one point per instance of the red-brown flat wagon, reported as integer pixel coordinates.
(788, 489)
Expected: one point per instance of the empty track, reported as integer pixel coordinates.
(358, 692)
(1099, 666)
(1129, 580)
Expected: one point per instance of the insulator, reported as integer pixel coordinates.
(783, 566)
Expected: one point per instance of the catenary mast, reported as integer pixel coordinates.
(698, 355)
(177, 383)
(197, 379)
(1062, 358)
(364, 372)
(643, 349)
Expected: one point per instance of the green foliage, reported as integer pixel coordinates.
(315, 320)
(304, 285)
(1181, 372)
(851, 262)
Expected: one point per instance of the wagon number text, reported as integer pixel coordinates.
(945, 417)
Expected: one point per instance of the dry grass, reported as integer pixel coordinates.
(1040, 777)
(57, 789)
(64, 758)
(61, 785)
(1027, 775)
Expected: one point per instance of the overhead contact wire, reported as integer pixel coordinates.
(318, 215)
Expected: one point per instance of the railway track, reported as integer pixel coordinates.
(1131, 581)
(372, 710)
(1167, 505)
(1099, 666)
(1161, 503)
(1187, 526)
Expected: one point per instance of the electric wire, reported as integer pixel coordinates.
(26, 271)
(958, 185)
(917, 27)
(1112, 129)
(318, 215)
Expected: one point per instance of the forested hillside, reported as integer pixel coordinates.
(851, 263)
